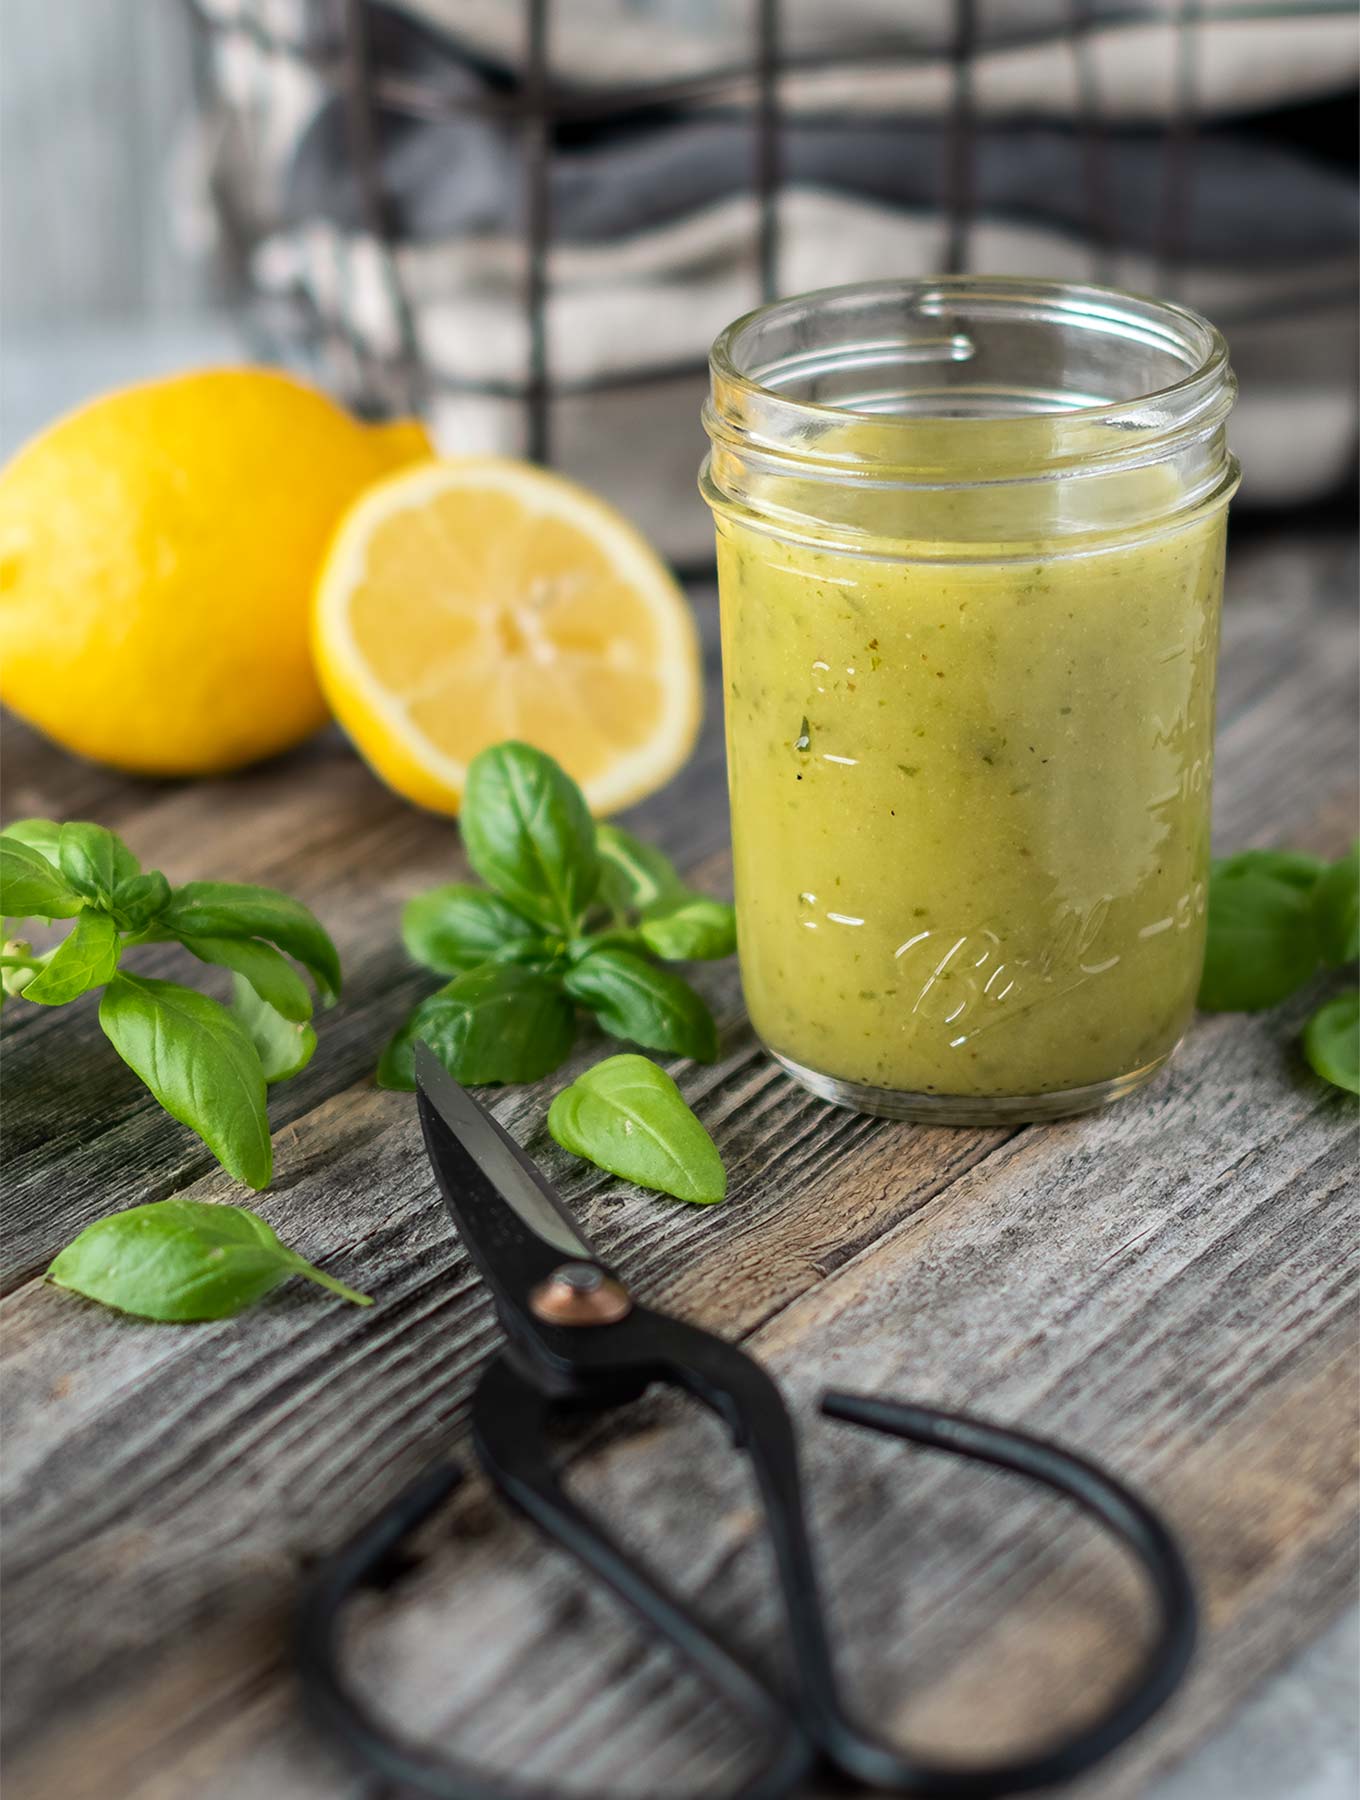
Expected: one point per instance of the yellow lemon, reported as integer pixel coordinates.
(468, 601)
(158, 551)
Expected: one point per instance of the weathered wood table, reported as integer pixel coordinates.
(1168, 1284)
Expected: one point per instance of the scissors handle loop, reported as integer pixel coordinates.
(1112, 1506)
(510, 1416)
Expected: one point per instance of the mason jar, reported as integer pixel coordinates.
(970, 560)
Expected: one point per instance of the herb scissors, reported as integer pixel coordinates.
(576, 1338)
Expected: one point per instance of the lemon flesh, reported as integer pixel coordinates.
(468, 601)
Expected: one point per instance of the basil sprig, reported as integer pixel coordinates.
(183, 1260)
(573, 915)
(207, 1064)
(1275, 918)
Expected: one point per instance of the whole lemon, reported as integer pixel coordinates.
(158, 550)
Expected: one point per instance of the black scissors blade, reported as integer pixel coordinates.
(505, 1210)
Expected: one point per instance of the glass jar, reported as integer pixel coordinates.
(970, 562)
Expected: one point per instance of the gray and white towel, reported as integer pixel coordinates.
(654, 226)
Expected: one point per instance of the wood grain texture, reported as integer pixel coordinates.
(1169, 1284)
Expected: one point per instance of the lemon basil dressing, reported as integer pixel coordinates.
(970, 553)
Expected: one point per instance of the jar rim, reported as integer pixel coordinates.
(747, 402)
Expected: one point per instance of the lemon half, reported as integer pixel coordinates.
(467, 601)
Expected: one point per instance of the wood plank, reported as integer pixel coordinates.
(1168, 1283)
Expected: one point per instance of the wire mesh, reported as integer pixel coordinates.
(334, 43)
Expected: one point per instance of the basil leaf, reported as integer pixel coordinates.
(273, 978)
(41, 835)
(633, 874)
(689, 929)
(529, 834)
(396, 1066)
(628, 1116)
(1261, 943)
(183, 1260)
(138, 899)
(634, 999)
(1331, 1042)
(94, 860)
(1336, 911)
(236, 910)
(198, 1062)
(496, 1023)
(30, 888)
(283, 1045)
(457, 927)
(1297, 868)
(85, 959)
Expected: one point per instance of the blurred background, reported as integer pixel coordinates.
(527, 218)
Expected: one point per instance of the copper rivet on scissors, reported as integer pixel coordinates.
(580, 1294)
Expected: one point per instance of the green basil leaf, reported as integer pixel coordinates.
(616, 937)
(85, 959)
(273, 978)
(138, 899)
(42, 835)
(94, 860)
(30, 888)
(691, 928)
(396, 1066)
(1261, 943)
(628, 1116)
(183, 1260)
(634, 874)
(232, 909)
(1331, 1042)
(453, 928)
(496, 1023)
(634, 999)
(529, 834)
(1296, 868)
(283, 1045)
(1336, 911)
(199, 1063)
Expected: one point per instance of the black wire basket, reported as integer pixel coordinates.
(354, 257)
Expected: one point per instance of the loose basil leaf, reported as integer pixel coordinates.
(529, 834)
(183, 1260)
(1297, 868)
(633, 874)
(1331, 1042)
(236, 910)
(283, 1045)
(30, 888)
(1336, 911)
(42, 835)
(496, 1023)
(94, 860)
(273, 978)
(1261, 943)
(85, 959)
(628, 1116)
(138, 899)
(689, 929)
(634, 999)
(453, 928)
(198, 1062)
